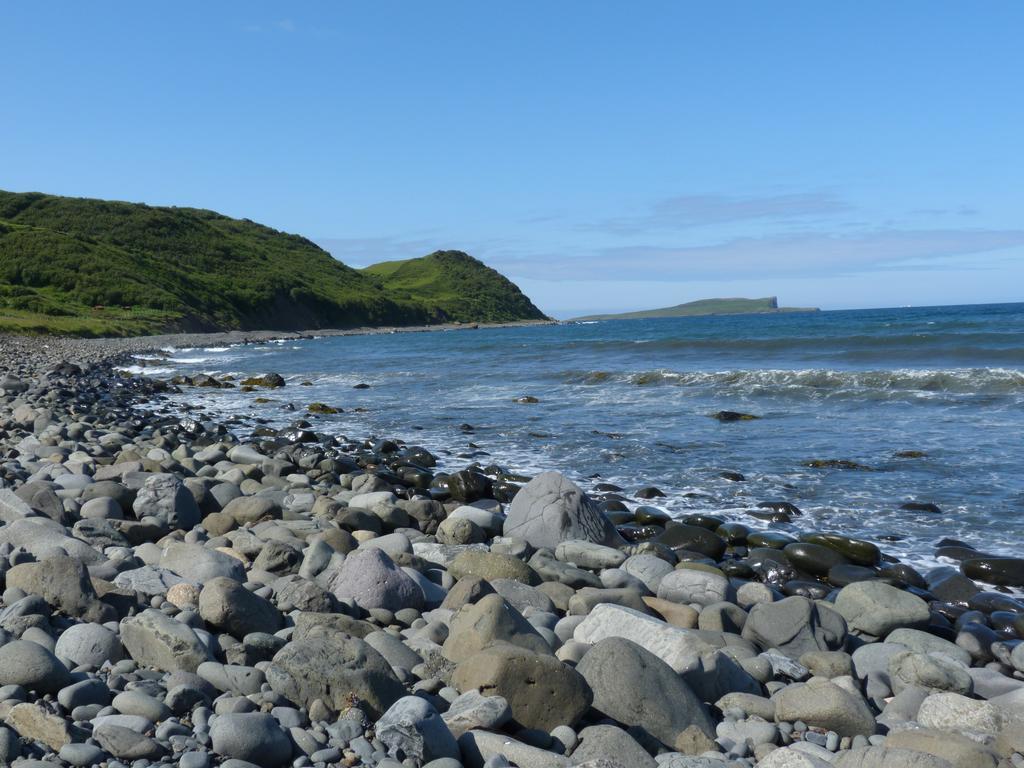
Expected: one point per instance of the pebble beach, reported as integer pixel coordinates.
(175, 594)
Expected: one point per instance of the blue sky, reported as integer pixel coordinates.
(605, 155)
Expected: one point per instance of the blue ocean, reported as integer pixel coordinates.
(926, 405)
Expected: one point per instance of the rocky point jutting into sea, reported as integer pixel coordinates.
(174, 595)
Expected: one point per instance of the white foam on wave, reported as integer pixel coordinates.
(216, 349)
(146, 370)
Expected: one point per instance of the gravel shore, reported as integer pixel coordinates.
(174, 596)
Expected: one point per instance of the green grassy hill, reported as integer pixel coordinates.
(454, 284)
(767, 305)
(97, 267)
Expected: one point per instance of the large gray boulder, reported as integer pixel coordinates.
(412, 728)
(254, 737)
(541, 691)
(889, 757)
(230, 607)
(474, 710)
(551, 509)
(823, 704)
(489, 621)
(13, 507)
(928, 670)
(334, 667)
(156, 640)
(599, 742)
(478, 747)
(707, 670)
(31, 666)
(693, 585)
(40, 536)
(371, 578)
(150, 580)
(89, 645)
(165, 498)
(795, 626)
(636, 688)
(64, 583)
(197, 564)
(876, 608)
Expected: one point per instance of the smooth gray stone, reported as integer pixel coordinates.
(412, 728)
(255, 737)
(31, 666)
(89, 645)
(82, 755)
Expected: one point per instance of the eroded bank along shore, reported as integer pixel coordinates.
(173, 596)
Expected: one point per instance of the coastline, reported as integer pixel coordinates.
(769, 656)
(40, 350)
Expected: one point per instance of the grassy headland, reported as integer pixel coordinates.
(96, 268)
(454, 285)
(768, 305)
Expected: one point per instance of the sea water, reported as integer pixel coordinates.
(631, 402)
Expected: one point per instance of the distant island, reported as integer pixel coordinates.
(765, 306)
(84, 267)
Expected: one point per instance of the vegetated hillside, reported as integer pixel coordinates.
(768, 305)
(97, 267)
(456, 285)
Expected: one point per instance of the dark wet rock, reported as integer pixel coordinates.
(843, 574)
(268, 381)
(836, 464)
(649, 492)
(856, 551)
(814, 559)
(781, 506)
(647, 515)
(727, 416)
(921, 506)
(1003, 571)
(769, 539)
(468, 485)
(693, 538)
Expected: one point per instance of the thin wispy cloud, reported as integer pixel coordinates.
(689, 211)
(790, 255)
(281, 25)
